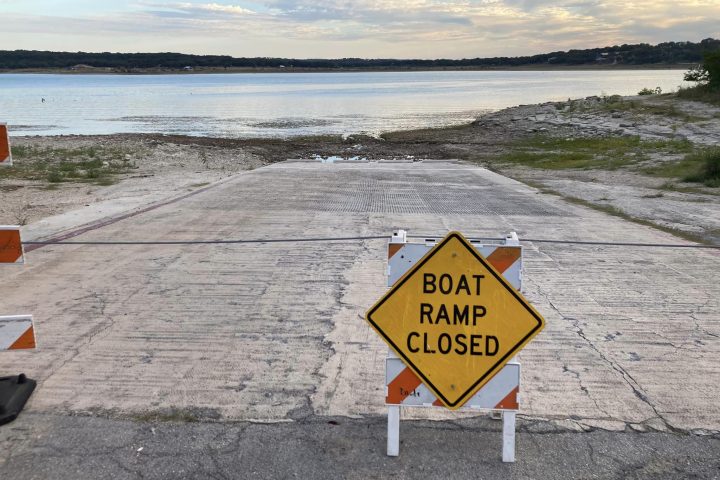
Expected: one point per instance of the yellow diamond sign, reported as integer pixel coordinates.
(454, 320)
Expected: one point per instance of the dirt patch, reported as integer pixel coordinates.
(53, 175)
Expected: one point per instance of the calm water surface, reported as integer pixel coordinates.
(286, 104)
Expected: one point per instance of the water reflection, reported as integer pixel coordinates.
(288, 104)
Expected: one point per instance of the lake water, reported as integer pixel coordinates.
(286, 104)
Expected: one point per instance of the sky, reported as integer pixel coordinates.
(351, 28)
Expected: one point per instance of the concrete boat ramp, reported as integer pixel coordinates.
(252, 359)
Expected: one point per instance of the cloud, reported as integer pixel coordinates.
(371, 13)
(374, 28)
(202, 9)
(218, 8)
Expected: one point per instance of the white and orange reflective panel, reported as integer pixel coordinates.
(16, 332)
(11, 249)
(454, 320)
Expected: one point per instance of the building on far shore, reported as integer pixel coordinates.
(81, 66)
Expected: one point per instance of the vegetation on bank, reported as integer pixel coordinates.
(700, 93)
(707, 167)
(676, 160)
(606, 153)
(96, 165)
(707, 73)
(637, 54)
(707, 78)
(618, 104)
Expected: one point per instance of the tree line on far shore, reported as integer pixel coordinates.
(638, 54)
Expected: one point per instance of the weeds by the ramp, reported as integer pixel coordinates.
(605, 153)
(708, 172)
(702, 165)
(52, 166)
(678, 160)
(700, 93)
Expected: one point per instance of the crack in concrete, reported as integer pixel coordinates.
(218, 472)
(584, 389)
(339, 295)
(629, 379)
(86, 340)
(695, 320)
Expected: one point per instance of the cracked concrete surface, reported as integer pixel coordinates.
(273, 332)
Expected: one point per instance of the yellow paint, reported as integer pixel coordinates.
(454, 320)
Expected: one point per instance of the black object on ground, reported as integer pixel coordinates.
(14, 393)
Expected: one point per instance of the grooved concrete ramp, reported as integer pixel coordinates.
(273, 331)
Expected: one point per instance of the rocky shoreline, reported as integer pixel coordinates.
(689, 210)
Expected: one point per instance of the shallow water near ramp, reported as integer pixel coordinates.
(291, 104)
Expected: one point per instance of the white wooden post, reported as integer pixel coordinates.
(393, 428)
(508, 454)
(393, 433)
(509, 417)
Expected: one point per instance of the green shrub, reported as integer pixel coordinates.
(708, 73)
(54, 177)
(712, 65)
(700, 93)
(697, 74)
(650, 91)
(709, 172)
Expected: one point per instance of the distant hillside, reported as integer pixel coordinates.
(639, 54)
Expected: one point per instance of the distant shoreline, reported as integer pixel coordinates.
(220, 70)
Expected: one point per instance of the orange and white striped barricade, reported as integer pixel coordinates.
(5, 151)
(11, 248)
(404, 388)
(16, 333)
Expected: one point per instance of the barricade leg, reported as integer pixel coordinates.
(508, 454)
(393, 433)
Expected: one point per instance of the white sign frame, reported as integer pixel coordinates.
(413, 252)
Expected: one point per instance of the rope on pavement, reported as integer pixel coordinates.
(355, 239)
